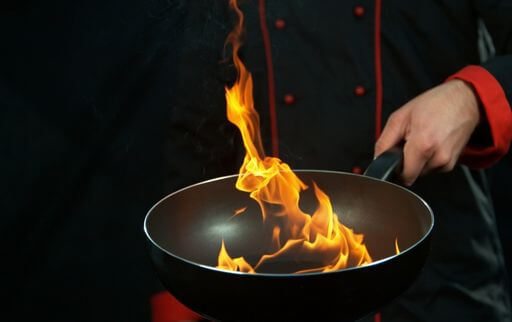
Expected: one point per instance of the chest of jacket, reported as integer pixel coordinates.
(323, 56)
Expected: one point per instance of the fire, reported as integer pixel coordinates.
(239, 211)
(320, 238)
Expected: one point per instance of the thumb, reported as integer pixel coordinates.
(393, 133)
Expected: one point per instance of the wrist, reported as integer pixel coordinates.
(469, 99)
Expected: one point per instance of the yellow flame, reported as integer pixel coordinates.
(237, 264)
(397, 250)
(319, 238)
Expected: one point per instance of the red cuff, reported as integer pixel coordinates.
(498, 115)
(166, 308)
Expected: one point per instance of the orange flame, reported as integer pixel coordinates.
(319, 238)
(239, 211)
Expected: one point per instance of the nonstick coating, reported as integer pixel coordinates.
(185, 230)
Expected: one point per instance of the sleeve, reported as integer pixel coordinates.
(496, 118)
(492, 81)
(166, 308)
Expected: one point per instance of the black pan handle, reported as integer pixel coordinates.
(386, 165)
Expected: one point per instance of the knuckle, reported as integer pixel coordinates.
(426, 147)
(394, 118)
(443, 159)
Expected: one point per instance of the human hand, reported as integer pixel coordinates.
(435, 126)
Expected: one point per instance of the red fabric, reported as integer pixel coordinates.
(497, 114)
(270, 80)
(166, 308)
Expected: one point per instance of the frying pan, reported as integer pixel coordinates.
(185, 230)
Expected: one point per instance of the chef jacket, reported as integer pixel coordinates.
(328, 75)
(109, 106)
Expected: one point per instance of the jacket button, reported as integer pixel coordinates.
(289, 99)
(357, 170)
(359, 90)
(359, 11)
(280, 24)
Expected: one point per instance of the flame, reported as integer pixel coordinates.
(397, 250)
(319, 238)
(239, 211)
(238, 264)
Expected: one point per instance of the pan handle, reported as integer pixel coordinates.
(386, 165)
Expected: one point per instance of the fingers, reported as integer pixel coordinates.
(443, 160)
(435, 126)
(393, 133)
(422, 156)
(416, 155)
(420, 151)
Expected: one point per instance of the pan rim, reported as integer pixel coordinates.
(292, 275)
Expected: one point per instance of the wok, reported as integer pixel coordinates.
(185, 230)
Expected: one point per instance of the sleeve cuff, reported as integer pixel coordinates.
(166, 308)
(497, 114)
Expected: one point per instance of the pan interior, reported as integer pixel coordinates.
(192, 222)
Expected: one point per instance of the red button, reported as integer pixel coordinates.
(359, 90)
(289, 99)
(358, 11)
(357, 170)
(280, 24)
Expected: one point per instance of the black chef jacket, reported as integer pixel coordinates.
(111, 105)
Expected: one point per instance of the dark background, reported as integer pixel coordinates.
(501, 189)
(83, 119)
(87, 148)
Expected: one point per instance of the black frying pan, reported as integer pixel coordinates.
(185, 230)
